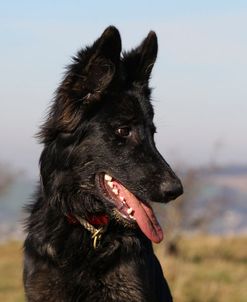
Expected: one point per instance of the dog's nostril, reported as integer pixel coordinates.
(171, 189)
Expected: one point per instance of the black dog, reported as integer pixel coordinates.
(91, 226)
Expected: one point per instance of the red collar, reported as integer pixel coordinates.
(102, 219)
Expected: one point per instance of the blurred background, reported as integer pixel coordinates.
(200, 101)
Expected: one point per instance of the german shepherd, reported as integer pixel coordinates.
(91, 227)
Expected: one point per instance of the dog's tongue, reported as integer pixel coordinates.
(143, 214)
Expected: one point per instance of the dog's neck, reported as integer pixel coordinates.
(95, 224)
(95, 220)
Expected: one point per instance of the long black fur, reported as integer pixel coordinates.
(102, 91)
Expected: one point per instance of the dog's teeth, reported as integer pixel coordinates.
(132, 217)
(110, 184)
(108, 177)
(129, 211)
(115, 191)
(122, 199)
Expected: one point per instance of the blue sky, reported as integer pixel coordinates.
(200, 94)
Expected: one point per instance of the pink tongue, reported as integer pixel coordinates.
(143, 214)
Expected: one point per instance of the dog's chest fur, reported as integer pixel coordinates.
(125, 270)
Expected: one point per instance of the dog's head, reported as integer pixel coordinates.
(99, 150)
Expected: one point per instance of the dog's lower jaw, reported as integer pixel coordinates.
(116, 216)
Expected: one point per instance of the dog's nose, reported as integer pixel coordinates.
(171, 189)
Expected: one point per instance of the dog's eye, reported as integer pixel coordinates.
(123, 131)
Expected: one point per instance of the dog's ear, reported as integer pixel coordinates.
(100, 70)
(86, 79)
(93, 68)
(139, 62)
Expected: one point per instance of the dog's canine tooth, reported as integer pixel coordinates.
(108, 177)
(115, 191)
(122, 198)
(110, 184)
(129, 211)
